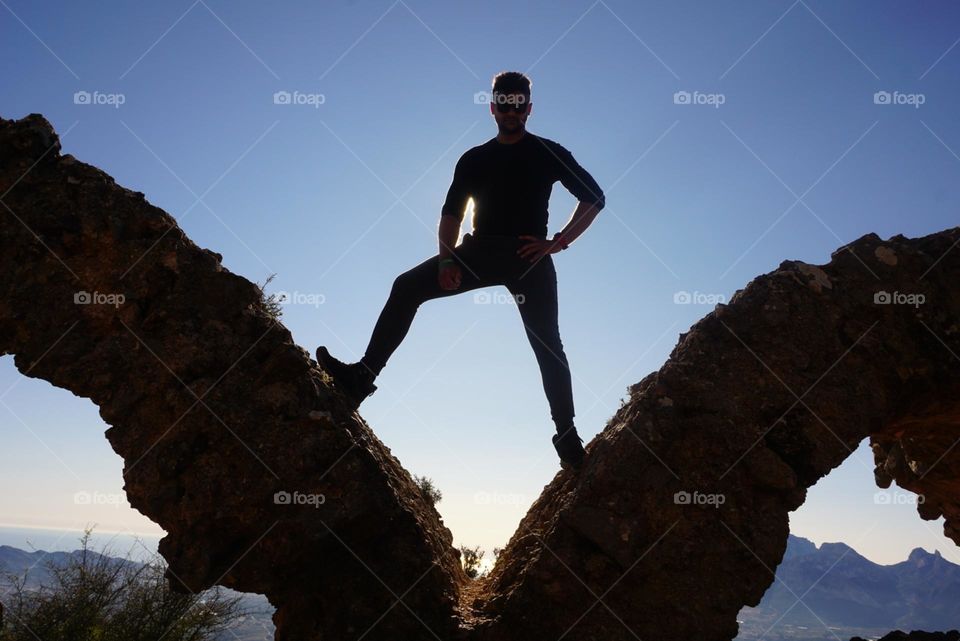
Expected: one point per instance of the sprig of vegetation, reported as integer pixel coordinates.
(429, 490)
(471, 558)
(272, 303)
(97, 597)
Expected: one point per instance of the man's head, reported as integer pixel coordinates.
(511, 91)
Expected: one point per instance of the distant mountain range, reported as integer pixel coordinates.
(839, 589)
(842, 589)
(36, 564)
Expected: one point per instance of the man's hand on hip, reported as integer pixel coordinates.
(537, 248)
(449, 276)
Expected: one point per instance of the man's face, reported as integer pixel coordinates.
(510, 122)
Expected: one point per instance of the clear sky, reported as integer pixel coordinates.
(781, 152)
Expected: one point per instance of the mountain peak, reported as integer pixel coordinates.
(798, 546)
(838, 549)
(919, 555)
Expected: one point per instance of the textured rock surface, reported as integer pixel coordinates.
(214, 409)
(759, 400)
(212, 406)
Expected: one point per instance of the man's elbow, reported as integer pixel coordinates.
(597, 203)
(450, 219)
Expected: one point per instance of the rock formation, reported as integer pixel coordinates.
(214, 409)
(236, 444)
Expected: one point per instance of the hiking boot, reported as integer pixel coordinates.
(354, 380)
(569, 447)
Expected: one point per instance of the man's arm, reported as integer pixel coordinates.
(581, 218)
(447, 234)
(581, 184)
(451, 215)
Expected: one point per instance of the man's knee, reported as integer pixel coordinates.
(539, 318)
(405, 288)
(414, 286)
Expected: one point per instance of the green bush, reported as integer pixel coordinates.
(95, 597)
(430, 491)
(471, 558)
(272, 303)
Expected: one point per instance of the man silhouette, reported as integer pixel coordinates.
(509, 178)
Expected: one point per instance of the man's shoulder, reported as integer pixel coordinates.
(477, 150)
(551, 144)
(539, 142)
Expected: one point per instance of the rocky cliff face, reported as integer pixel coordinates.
(678, 519)
(760, 399)
(229, 432)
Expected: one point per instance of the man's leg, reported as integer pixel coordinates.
(410, 290)
(535, 293)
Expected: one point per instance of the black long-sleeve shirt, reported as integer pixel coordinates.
(510, 184)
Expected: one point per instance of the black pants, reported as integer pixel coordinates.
(486, 261)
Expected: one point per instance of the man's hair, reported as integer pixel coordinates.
(507, 82)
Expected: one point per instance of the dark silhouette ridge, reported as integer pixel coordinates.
(215, 410)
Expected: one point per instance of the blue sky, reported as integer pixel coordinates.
(782, 152)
